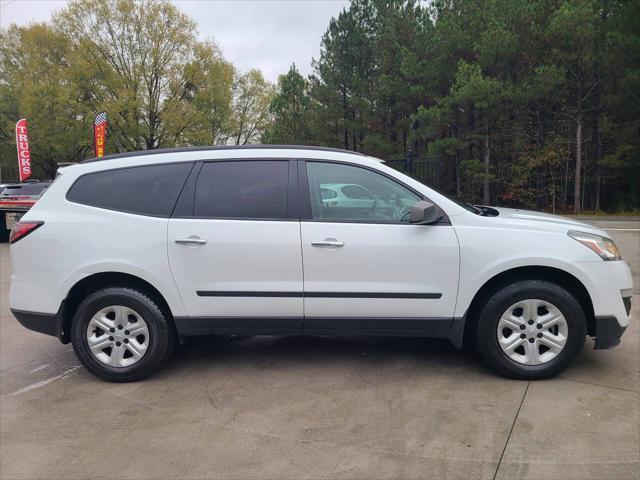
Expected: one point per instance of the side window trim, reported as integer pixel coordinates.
(185, 204)
(292, 191)
(306, 214)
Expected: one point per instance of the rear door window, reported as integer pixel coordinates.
(243, 189)
(145, 190)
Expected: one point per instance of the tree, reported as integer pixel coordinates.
(498, 84)
(34, 84)
(476, 96)
(290, 111)
(251, 98)
(342, 78)
(210, 94)
(573, 26)
(140, 62)
(128, 58)
(532, 101)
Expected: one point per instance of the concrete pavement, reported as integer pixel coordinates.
(299, 407)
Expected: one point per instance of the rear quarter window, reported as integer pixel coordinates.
(145, 190)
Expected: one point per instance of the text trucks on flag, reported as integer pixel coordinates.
(22, 144)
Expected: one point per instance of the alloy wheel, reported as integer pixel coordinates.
(118, 336)
(532, 332)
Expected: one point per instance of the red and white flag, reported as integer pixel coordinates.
(22, 143)
(100, 133)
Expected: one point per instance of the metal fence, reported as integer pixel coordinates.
(428, 170)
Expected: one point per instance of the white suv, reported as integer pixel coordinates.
(124, 255)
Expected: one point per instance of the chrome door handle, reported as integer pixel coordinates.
(329, 242)
(191, 241)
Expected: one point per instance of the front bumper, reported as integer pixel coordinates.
(608, 333)
(608, 284)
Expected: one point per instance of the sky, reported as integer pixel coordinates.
(265, 34)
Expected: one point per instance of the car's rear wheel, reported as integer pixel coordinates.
(530, 330)
(121, 334)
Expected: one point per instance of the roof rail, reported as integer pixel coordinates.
(218, 147)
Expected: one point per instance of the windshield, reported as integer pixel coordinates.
(467, 206)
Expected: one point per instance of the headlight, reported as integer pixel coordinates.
(603, 246)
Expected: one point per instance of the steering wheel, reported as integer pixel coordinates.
(373, 207)
(401, 212)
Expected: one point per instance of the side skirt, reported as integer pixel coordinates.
(451, 329)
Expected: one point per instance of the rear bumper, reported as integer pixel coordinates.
(608, 333)
(47, 323)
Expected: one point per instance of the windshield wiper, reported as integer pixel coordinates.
(482, 211)
(479, 210)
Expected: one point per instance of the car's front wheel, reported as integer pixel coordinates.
(530, 329)
(121, 334)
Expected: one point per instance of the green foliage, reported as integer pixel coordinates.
(474, 176)
(251, 99)
(446, 146)
(34, 85)
(141, 62)
(128, 59)
(473, 89)
(290, 109)
(210, 96)
(498, 90)
(521, 102)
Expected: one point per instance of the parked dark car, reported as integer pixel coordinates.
(15, 200)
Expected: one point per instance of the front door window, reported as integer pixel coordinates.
(348, 193)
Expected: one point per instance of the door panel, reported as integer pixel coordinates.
(236, 250)
(381, 270)
(367, 260)
(242, 264)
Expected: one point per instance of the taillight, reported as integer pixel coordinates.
(22, 229)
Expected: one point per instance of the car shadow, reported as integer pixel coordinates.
(270, 351)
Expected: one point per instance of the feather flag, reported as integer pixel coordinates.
(100, 133)
(24, 155)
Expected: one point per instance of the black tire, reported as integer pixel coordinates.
(4, 233)
(489, 316)
(161, 334)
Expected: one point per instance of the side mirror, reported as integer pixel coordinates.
(425, 213)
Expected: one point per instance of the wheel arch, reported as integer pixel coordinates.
(551, 274)
(97, 281)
